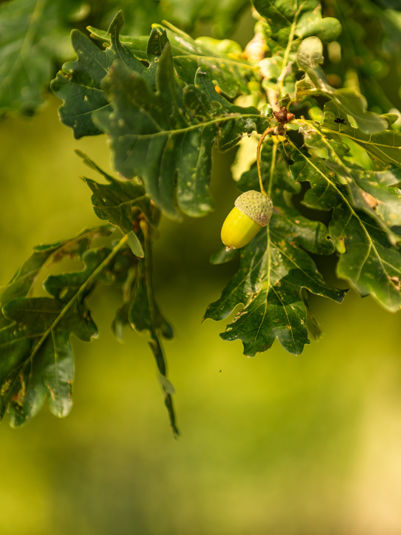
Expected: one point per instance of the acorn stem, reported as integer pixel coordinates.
(272, 167)
(268, 131)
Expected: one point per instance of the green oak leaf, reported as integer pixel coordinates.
(78, 84)
(377, 194)
(369, 261)
(177, 145)
(374, 191)
(350, 103)
(126, 205)
(383, 147)
(25, 387)
(221, 60)
(370, 258)
(37, 359)
(274, 272)
(383, 195)
(122, 203)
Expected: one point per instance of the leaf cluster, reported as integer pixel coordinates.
(165, 103)
(35, 330)
(336, 176)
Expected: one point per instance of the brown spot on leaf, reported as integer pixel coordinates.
(370, 200)
(396, 283)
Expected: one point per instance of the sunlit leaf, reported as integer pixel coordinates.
(369, 258)
(384, 147)
(350, 103)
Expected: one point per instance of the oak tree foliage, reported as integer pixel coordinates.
(165, 101)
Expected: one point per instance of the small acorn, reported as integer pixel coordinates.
(252, 211)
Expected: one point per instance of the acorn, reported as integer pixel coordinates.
(252, 211)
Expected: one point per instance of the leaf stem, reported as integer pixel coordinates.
(283, 73)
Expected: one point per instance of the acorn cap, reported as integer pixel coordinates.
(255, 205)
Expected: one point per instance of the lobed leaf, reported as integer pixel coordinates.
(78, 84)
(374, 191)
(37, 357)
(383, 147)
(178, 145)
(350, 103)
(370, 258)
(121, 203)
(275, 270)
(221, 60)
(369, 261)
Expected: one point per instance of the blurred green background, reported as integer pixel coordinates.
(276, 444)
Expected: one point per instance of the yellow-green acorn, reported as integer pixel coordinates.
(252, 211)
